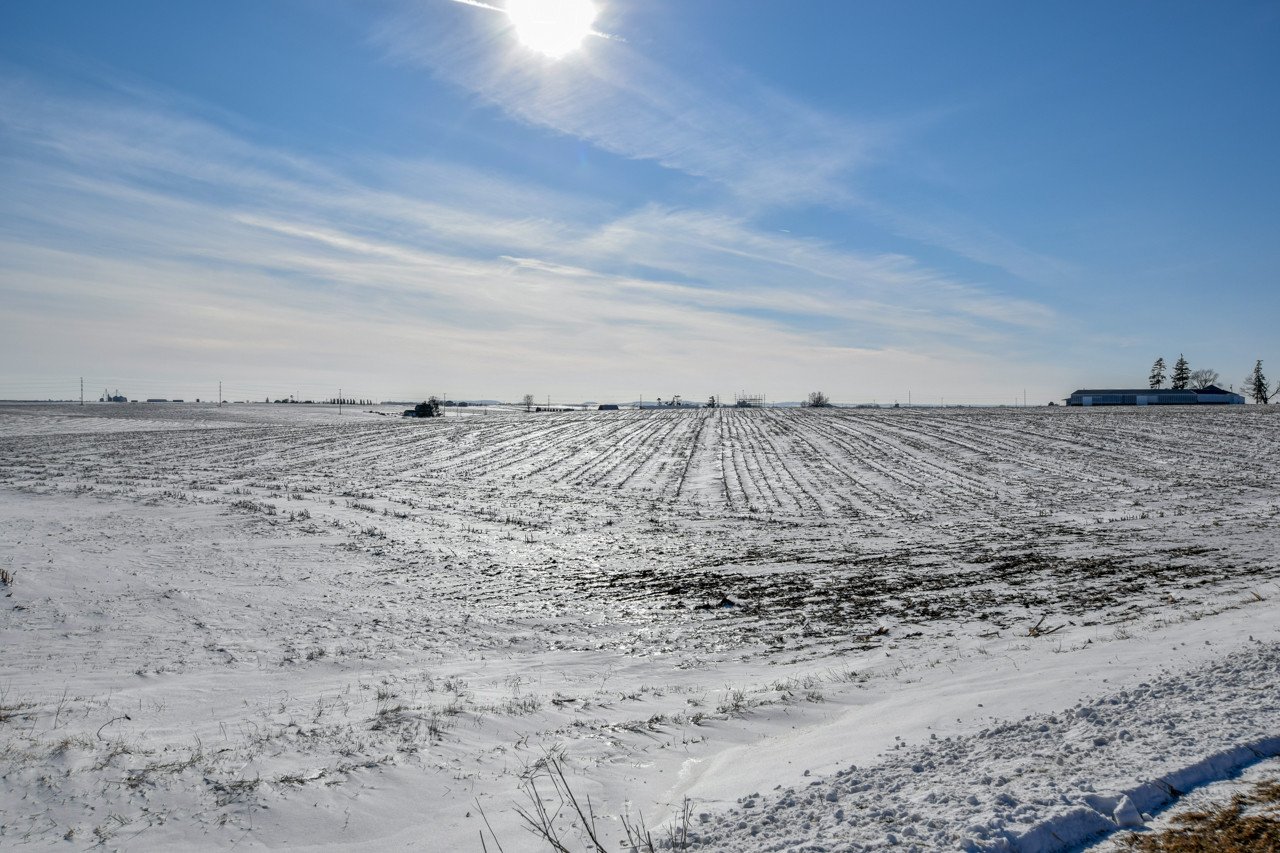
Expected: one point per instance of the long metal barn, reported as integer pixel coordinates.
(1212, 395)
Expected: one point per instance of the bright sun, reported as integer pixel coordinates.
(552, 27)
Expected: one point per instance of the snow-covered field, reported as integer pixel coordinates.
(281, 627)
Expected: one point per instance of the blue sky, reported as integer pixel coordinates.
(396, 198)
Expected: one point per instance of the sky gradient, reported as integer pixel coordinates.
(951, 201)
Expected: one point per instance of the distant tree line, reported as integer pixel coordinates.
(1183, 377)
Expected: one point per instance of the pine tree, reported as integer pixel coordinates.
(1256, 385)
(1181, 374)
(1157, 373)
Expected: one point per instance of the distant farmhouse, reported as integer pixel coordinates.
(1211, 395)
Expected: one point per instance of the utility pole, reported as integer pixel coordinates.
(82, 390)
(339, 401)
(219, 393)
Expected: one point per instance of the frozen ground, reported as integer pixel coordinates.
(278, 627)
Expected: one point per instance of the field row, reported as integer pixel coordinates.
(902, 464)
(813, 525)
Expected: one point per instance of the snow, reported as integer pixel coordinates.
(1212, 795)
(1047, 781)
(285, 627)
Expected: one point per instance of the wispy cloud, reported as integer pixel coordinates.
(971, 240)
(122, 217)
(763, 146)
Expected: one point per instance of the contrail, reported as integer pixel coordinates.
(480, 4)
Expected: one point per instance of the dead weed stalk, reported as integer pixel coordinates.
(546, 812)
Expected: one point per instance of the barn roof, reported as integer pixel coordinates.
(1145, 391)
(1208, 389)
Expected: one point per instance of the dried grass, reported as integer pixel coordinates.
(1250, 823)
(558, 818)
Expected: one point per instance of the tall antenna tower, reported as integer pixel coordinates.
(82, 390)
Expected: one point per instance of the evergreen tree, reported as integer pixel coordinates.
(1157, 373)
(1181, 374)
(1256, 385)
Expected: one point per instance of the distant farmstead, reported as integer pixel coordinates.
(1212, 395)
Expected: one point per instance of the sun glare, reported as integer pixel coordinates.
(552, 27)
